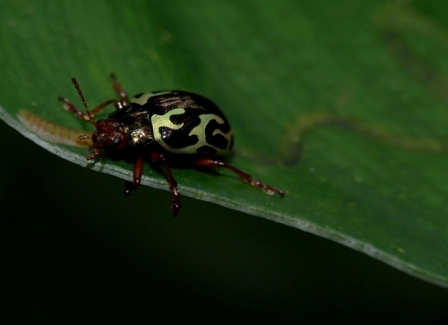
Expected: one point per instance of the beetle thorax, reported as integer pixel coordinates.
(108, 135)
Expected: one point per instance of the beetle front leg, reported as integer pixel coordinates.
(160, 158)
(136, 178)
(120, 91)
(207, 162)
(68, 106)
(138, 172)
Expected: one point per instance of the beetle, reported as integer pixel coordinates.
(165, 127)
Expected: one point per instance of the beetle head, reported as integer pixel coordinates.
(108, 135)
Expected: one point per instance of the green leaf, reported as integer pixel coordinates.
(341, 104)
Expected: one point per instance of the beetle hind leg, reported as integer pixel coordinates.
(246, 178)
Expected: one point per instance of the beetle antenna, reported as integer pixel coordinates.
(83, 101)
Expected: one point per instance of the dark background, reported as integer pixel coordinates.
(74, 249)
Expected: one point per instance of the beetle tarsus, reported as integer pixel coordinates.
(128, 187)
(270, 190)
(96, 153)
(175, 206)
(246, 178)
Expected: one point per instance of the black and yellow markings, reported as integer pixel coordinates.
(192, 133)
(142, 99)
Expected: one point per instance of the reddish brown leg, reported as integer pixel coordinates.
(137, 177)
(138, 171)
(68, 106)
(158, 157)
(96, 110)
(120, 91)
(118, 104)
(207, 162)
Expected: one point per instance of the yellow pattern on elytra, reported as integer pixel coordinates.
(143, 99)
(164, 120)
(158, 121)
(199, 131)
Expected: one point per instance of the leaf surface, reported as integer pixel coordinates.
(342, 105)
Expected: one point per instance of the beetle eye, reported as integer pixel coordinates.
(116, 142)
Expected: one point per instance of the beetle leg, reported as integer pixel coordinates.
(120, 91)
(68, 106)
(96, 152)
(207, 162)
(128, 187)
(160, 158)
(138, 171)
(137, 177)
(117, 105)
